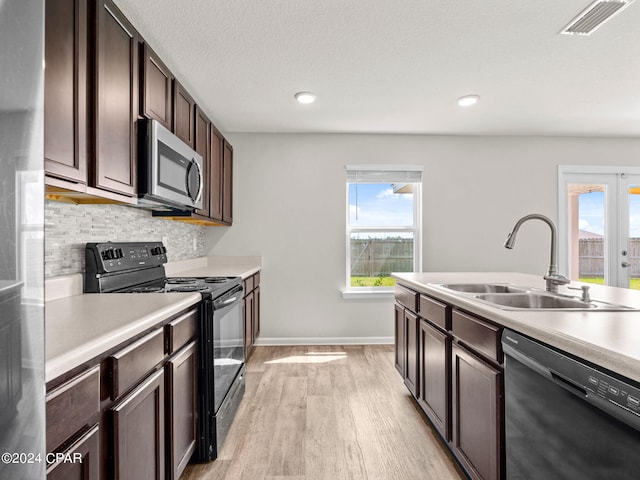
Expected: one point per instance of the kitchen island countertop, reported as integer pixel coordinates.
(608, 339)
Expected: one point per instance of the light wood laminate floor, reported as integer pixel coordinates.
(331, 413)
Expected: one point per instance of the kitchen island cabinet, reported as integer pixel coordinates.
(608, 339)
(442, 355)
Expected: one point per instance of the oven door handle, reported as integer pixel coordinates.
(228, 301)
(232, 298)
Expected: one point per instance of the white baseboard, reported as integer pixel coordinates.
(283, 341)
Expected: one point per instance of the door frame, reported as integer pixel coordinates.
(614, 241)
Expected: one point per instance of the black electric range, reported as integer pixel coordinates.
(138, 267)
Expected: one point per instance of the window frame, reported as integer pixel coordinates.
(416, 229)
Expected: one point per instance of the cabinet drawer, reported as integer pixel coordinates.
(72, 406)
(436, 312)
(180, 331)
(256, 280)
(407, 297)
(85, 455)
(478, 335)
(132, 363)
(248, 285)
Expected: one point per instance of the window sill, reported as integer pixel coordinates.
(367, 294)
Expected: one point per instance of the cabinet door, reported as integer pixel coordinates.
(116, 102)
(203, 146)
(138, 429)
(477, 415)
(183, 114)
(182, 409)
(227, 183)
(216, 175)
(434, 376)
(248, 324)
(65, 90)
(399, 339)
(87, 449)
(411, 337)
(10, 360)
(156, 88)
(256, 314)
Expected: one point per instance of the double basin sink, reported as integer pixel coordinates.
(513, 297)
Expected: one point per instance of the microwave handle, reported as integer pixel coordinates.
(197, 199)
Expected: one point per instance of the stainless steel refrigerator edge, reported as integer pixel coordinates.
(22, 389)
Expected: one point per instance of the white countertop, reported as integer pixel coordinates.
(609, 339)
(79, 327)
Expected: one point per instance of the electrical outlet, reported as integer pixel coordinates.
(195, 244)
(165, 241)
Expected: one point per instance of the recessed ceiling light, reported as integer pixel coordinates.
(305, 97)
(468, 100)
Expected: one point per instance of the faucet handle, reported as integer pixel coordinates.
(556, 279)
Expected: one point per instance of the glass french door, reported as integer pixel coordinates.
(600, 226)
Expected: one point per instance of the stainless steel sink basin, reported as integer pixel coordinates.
(533, 300)
(516, 297)
(484, 288)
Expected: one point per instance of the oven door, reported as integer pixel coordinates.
(228, 342)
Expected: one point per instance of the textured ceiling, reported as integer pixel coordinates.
(385, 66)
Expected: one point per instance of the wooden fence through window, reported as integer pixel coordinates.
(375, 257)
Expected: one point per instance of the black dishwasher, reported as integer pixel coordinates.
(566, 418)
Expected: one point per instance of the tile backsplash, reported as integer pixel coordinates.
(69, 226)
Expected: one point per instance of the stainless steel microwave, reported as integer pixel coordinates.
(170, 173)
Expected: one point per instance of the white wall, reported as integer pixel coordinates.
(289, 207)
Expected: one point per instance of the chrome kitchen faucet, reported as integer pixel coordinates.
(553, 278)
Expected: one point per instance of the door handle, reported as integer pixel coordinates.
(625, 264)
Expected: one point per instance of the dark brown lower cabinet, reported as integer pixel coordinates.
(400, 342)
(434, 376)
(248, 324)
(251, 312)
(182, 409)
(10, 357)
(138, 425)
(477, 414)
(411, 338)
(81, 461)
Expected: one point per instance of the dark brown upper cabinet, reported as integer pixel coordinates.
(216, 175)
(65, 90)
(203, 146)
(116, 102)
(227, 185)
(157, 81)
(183, 114)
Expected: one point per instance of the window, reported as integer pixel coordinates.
(383, 225)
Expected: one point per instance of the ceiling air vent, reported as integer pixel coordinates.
(593, 16)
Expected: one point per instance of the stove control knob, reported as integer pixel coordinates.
(118, 253)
